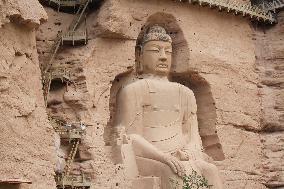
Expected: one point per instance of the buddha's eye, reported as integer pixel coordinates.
(154, 49)
(168, 51)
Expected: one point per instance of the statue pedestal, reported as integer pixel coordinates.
(146, 183)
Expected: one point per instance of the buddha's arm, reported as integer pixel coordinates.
(129, 117)
(145, 149)
(194, 138)
(194, 144)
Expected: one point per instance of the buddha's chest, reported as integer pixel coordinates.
(162, 115)
(163, 99)
(162, 106)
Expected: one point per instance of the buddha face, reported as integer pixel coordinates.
(156, 57)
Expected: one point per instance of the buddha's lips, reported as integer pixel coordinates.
(162, 66)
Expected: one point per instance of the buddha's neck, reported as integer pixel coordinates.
(152, 76)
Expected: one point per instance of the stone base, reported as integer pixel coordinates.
(146, 183)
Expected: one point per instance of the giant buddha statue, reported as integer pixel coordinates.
(157, 118)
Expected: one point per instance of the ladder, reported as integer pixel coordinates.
(71, 156)
(78, 16)
(67, 131)
(54, 50)
(237, 7)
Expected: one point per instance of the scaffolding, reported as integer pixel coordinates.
(73, 181)
(74, 38)
(74, 133)
(68, 131)
(61, 73)
(70, 37)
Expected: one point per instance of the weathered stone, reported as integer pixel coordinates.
(235, 73)
(26, 141)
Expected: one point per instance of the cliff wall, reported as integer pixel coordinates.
(26, 139)
(213, 47)
(234, 68)
(270, 61)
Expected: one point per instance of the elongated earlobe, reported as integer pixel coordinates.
(139, 61)
(140, 66)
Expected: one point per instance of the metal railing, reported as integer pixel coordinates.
(74, 130)
(74, 36)
(237, 7)
(60, 73)
(81, 180)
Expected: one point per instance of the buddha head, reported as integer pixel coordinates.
(155, 52)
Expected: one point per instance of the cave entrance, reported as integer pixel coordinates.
(57, 84)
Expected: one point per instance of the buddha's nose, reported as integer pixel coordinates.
(163, 56)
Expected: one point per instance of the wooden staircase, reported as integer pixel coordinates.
(79, 15)
(70, 37)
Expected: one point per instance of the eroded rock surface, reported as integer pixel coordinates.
(235, 73)
(26, 139)
(270, 61)
(27, 12)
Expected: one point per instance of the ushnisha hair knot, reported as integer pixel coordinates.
(156, 33)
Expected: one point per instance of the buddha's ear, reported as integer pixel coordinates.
(139, 66)
(138, 59)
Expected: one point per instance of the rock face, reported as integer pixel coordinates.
(26, 139)
(29, 12)
(214, 56)
(212, 49)
(270, 61)
(235, 71)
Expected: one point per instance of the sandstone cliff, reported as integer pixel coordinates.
(234, 68)
(26, 139)
(211, 47)
(270, 61)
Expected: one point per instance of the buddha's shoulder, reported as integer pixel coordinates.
(140, 84)
(183, 87)
(135, 85)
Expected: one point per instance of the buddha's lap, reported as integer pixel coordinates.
(149, 167)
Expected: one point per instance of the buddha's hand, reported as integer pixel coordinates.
(174, 164)
(188, 154)
(182, 155)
